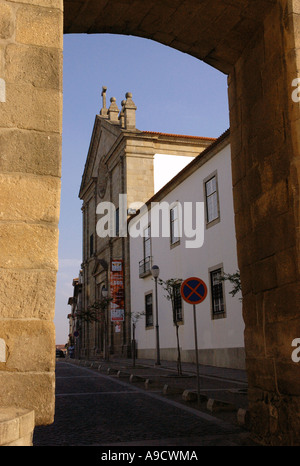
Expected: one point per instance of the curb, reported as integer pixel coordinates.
(218, 405)
(188, 395)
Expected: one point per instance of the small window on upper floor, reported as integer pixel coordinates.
(174, 225)
(147, 242)
(145, 263)
(117, 221)
(91, 245)
(212, 200)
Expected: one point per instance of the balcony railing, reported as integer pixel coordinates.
(145, 267)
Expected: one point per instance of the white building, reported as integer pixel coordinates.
(205, 252)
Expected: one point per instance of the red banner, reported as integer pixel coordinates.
(117, 291)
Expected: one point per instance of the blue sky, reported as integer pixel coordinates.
(174, 93)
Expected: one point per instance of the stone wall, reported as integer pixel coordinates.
(265, 147)
(16, 427)
(30, 164)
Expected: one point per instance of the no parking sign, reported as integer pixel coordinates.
(193, 290)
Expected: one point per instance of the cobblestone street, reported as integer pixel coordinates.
(96, 409)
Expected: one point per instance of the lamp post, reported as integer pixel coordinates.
(104, 294)
(155, 274)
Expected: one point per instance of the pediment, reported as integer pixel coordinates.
(103, 137)
(99, 266)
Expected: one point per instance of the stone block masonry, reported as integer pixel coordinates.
(16, 427)
(31, 33)
(265, 145)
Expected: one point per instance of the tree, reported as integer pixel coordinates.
(95, 312)
(134, 316)
(235, 280)
(171, 287)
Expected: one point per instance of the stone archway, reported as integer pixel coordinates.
(256, 43)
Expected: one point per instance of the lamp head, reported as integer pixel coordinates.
(155, 271)
(104, 292)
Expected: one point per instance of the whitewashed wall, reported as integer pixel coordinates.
(221, 341)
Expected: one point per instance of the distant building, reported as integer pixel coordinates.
(220, 325)
(121, 160)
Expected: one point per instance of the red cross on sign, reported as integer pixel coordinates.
(193, 290)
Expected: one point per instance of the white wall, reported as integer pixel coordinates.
(180, 262)
(166, 167)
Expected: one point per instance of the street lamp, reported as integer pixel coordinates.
(155, 274)
(104, 293)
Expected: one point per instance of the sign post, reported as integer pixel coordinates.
(193, 290)
(196, 351)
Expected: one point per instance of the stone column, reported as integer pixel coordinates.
(31, 34)
(266, 173)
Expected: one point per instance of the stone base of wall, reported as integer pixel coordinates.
(274, 418)
(118, 351)
(16, 427)
(233, 358)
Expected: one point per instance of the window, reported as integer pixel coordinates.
(149, 310)
(145, 264)
(174, 224)
(147, 242)
(217, 296)
(117, 221)
(211, 198)
(91, 245)
(178, 317)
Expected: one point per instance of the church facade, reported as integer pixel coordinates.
(123, 170)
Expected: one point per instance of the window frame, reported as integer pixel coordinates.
(177, 299)
(212, 222)
(176, 241)
(147, 324)
(147, 238)
(92, 245)
(146, 263)
(117, 220)
(222, 313)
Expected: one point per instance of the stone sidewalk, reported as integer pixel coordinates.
(222, 391)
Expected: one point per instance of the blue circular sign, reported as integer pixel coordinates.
(193, 290)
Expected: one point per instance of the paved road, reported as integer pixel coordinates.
(93, 409)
